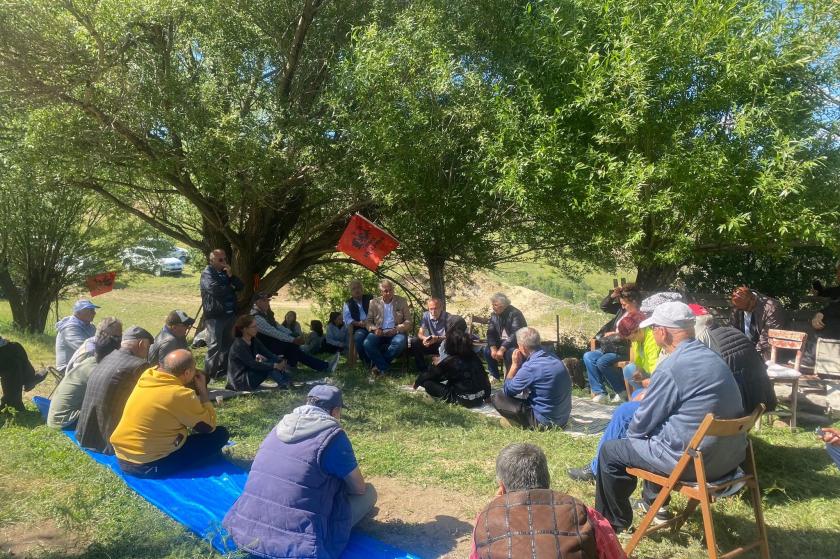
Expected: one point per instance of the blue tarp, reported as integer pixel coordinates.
(200, 497)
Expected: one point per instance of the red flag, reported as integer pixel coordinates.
(101, 283)
(366, 243)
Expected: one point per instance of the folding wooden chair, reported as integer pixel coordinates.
(782, 374)
(704, 492)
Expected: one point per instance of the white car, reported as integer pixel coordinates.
(145, 259)
(181, 254)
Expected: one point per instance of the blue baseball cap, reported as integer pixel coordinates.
(328, 396)
(83, 305)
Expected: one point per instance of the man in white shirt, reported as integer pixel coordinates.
(388, 322)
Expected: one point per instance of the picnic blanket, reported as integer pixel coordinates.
(588, 418)
(200, 497)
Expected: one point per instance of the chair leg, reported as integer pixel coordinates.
(641, 530)
(684, 515)
(793, 397)
(708, 527)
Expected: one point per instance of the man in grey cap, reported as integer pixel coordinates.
(72, 331)
(306, 468)
(172, 336)
(108, 388)
(688, 384)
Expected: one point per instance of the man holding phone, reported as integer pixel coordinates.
(218, 297)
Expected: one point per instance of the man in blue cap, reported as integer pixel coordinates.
(72, 331)
(305, 468)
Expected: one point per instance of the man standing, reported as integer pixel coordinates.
(168, 423)
(691, 382)
(544, 377)
(431, 334)
(218, 297)
(282, 341)
(355, 314)
(305, 468)
(755, 315)
(72, 331)
(505, 322)
(172, 336)
(388, 323)
(528, 519)
(108, 388)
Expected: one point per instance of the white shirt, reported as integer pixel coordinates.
(747, 322)
(348, 318)
(388, 315)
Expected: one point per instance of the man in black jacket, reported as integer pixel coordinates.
(218, 297)
(755, 315)
(355, 312)
(16, 374)
(172, 336)
(505, 321)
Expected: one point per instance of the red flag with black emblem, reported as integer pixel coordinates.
(366, 243)
(101, 283)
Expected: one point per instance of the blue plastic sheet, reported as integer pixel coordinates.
(200, 497)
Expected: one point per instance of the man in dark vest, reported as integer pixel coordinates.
(218, 298)
(355, 312)
(528, 519)
(305, 468)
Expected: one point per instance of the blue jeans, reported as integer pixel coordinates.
(616, 429)
(493, 365)
(393, 347)
(629, 370)
(359, 336)
(833, 453)
(600, 368)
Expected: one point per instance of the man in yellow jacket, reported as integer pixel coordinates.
(168, 423)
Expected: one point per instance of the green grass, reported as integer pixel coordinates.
(44, 478)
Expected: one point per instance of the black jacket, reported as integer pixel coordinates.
(767, 314)
(510, 321)
(464, 375)
(244, 371)
(746, 365)
(165, 343)
(218, 293)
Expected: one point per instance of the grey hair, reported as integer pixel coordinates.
(111, 326)
(386, 283)
(354, 282)
(522, 466)
(702, 325)
(528, 337)
(500, 298)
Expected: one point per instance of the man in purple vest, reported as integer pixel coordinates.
(305, 491)
(354, 313)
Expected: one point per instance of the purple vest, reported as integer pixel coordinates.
(290, 507)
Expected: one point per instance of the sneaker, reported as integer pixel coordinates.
(333, 363)
(663, 515)
(620, 397)
(581, 474)
(599, 398)
(37, 379)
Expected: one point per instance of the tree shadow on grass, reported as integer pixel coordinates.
(426, 539)
(788, 473)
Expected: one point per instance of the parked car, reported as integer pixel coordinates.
(148, 260)
(181, 254)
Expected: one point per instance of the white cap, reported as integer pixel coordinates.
(670, 315)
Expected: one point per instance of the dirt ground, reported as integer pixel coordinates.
(427, 521)
(23, 540)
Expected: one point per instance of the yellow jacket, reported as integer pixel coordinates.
(645, 354)
(158, 417)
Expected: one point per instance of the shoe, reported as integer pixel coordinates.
(581, 474)
(37, 379)
(620, 397)
(663, 515)
(599, 398)
(333, 363)
(503, 421)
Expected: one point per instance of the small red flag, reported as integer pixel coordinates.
(101, 283)
(366, 243)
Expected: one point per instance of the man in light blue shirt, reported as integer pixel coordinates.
(545, 379)
(355, 313)
(72, 331)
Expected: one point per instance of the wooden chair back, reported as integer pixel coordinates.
(787, 339)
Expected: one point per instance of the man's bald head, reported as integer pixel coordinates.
(178, 362)
(217, 259)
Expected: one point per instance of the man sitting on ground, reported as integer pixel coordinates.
(305, 468)
(355, 313)
(543, 375)
(16, 375)
(172, 336)
(505, 321)
(109, 326)
(528, 519)
(108, 388)
(691, 382)
(66, 402)
(153, 438)
(282, 341)
(72, 331)
(755, 315)
(431, 334)
(388, 323)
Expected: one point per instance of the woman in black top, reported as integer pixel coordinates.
(460, 377)
(249, 361)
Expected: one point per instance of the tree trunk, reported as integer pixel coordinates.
(437, 280)
(656, 277)
(30, 304)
